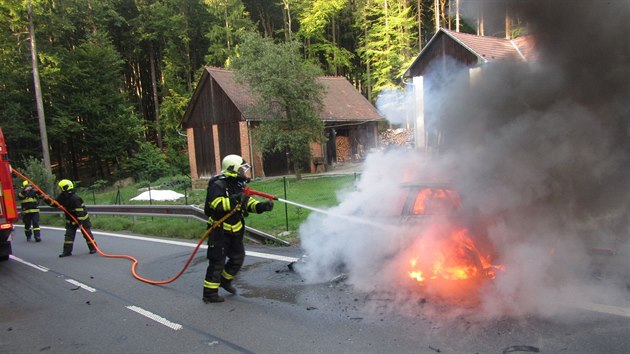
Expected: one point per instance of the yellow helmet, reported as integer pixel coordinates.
(25, 183)
(234, 165)
(65, 185)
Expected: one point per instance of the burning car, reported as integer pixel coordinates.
(419, 234)
(444, 246)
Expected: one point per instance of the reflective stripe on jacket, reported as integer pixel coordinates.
(221, 199)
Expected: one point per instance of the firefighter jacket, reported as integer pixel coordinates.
(224, 194)
(73, 204)
(29, 198)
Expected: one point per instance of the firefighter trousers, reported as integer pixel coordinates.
(223, 245)
(31, 225)
(71, 230)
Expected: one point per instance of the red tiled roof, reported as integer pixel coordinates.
(488, 48)
(342, 101)
(527, 46)
(239, 94)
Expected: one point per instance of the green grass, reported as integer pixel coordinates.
(317, 192)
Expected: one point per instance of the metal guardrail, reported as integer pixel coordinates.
(187, 211)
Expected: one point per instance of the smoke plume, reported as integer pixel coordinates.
(542, 150)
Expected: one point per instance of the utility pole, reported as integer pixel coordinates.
(38, 91)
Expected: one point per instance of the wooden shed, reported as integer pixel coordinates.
(218, 122)
(449, 50)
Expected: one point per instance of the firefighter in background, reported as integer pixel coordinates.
(75, 206)
(29, 198)
(225, 195)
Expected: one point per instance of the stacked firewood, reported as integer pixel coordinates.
(344, 149)
(397, 137)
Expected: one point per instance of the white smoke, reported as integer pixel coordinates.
(363, 230)
(397, 106)
(541, 151)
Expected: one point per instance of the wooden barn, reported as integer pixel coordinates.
(449, 50)
(218, 122)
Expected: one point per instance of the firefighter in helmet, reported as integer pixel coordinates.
(225, 195)
(29, 198)
(74, 205)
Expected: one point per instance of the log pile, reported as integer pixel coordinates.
(397, 138)
(344, 149)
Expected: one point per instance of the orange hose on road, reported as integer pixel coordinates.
(131, 258)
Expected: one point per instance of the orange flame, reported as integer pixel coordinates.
(431, 201)
(455, 257)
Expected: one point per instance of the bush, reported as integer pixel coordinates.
(35, 170)
(148, 164)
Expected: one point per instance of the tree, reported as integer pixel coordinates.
(229, 21)
(288, 96)
(18, 118)
(319, 27)
(387, 47)
(91, 116)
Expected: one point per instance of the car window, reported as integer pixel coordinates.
(435, 201)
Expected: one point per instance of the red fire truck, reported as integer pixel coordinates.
(8, 210)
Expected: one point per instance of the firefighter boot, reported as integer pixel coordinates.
(92, 247)
(211, 296)
(28, 235)
(227, 285)
(67, 251)
(37, 236)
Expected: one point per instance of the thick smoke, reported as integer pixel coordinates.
(394, 105)
(540, 150)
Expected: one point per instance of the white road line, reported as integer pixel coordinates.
(188, 244)
(271, 256)
(81, 285)
(611, 310)
(40, 268)
(156, 318)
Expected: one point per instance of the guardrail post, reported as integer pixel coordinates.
(286, 207)
(118, 196)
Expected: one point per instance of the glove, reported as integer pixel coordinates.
(267, 205)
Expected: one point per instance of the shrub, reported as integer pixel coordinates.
(148, 164)
(35, 170)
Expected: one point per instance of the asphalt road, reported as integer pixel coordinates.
(90, 303)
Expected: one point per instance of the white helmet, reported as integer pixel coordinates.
(234, 166)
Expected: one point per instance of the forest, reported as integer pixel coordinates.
(108, 81)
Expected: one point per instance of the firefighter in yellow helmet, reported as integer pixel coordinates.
(75, 206)
(225, 193)
(29, 198)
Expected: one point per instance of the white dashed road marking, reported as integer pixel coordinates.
(40, 268)
(156, 318)
(81, 285)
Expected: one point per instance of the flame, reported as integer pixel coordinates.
(435, 201)
(455, 257)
